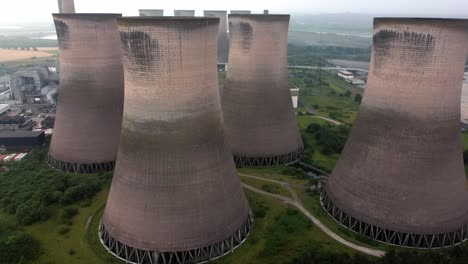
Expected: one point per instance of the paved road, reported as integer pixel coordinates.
(297, 203)
(333, 121)
(326, 68)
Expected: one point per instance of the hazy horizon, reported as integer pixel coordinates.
(40, 11)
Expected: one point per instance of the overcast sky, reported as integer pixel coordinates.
(14, 11)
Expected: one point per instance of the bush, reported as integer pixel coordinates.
(30, 212)
(358, 98)
(68, 213)
(62, 230)
(18, 246)
(30, 187)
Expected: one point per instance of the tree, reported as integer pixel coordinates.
(358, 98)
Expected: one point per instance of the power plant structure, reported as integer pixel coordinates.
(223, 38)
(240, 12)
(66, 6)
(89, 110)
(258, 111)
(151, 12)
(186, 13)
(464, 106)
(400, 178)
(175, 195)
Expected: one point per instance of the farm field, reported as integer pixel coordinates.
(15, 55)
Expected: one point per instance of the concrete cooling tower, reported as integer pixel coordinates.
(66, 6)
(223, 38)
(464, 106)
(175, 195)
(89, 110)
(187, 13)
(258, 112)
(151, 12)
(400, 178)
(240, 12)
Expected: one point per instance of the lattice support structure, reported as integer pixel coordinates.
(81, 168)
(200, 255)
(428, 241)
(292, 157)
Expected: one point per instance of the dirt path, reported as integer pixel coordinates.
(297, 203)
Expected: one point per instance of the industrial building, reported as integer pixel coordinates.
(258, 112)
(186, 13)
(151, 12)
(66, 6)
(21, 140)
(223, 38)
(175, 195)
(89, 110)
(400, 178)
(26, 85)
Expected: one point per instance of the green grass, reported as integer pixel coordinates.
(278, 236)
(328, 98)
(57, 247)
(270, 187)
(311, 201)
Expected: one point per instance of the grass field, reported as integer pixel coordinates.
(270, 187)
(15, 55)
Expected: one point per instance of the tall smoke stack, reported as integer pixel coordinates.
(186, 13)
(400, 178)
(175, 196)
(258, 112)
(66, 6)
(89, 110)
(151, 12)
(223, 38)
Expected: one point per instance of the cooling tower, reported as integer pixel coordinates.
(89, 110)
(175, 196)
(258, 112)
(464, 106)
(400, 178)
(223, 38)
(66, 6)
(186, 13)
(240, 12)
(151, 12)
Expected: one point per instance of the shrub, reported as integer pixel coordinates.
(68, 213)
(62, 230)
(17, 246)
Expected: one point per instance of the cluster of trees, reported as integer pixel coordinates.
(22, 48)
(330, 138)
(316, 254)
(30, 188)
(25, 42)
(17, 247)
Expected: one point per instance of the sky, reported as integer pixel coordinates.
(18, 11)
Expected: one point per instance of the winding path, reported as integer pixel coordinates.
(298, 204)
